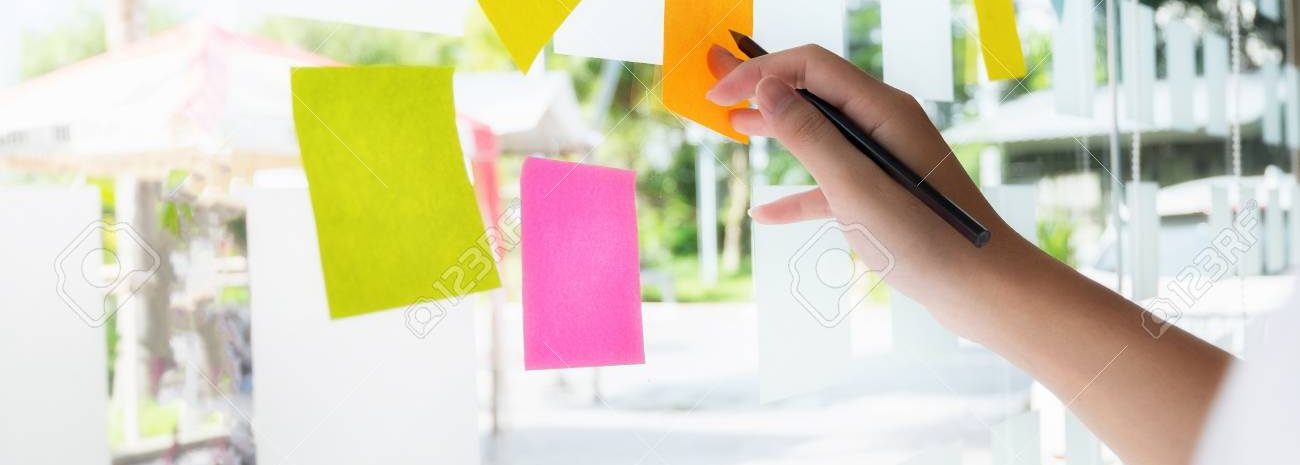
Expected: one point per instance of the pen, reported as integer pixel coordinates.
(966, 225)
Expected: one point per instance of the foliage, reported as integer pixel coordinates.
(1055, 234)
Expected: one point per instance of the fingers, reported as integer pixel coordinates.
(804, 206)
(808, 134)
(721, 61)
(865, 99)
(750, 122)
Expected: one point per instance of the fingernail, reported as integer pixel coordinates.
(774, 95)
(712, 95)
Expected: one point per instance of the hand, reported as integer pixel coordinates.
(933, 263)
(1062, 328)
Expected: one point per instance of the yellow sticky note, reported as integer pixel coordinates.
(525, 26)
(395, 214)
(999, 39)
(691, 27)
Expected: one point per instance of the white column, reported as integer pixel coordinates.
(1018, 205)
(706, 212)
(991, 167)
(126, 381)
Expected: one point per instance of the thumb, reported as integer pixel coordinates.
(804, 130)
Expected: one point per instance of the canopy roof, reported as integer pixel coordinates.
(1031, 122)
(205, 99)
(196, 97)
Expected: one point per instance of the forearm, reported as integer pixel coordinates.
(1147, 398)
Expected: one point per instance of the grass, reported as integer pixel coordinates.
(685, 271)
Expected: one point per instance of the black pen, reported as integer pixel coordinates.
(965, 224)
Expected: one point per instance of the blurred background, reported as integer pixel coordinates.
(169, 107)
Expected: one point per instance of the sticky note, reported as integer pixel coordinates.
(52, 347)
(1271, 121)
(1015, 441)
(915, 332)
(320, 382)
(786, 24)
(1074, 53)
(999, 39)
(395, 214)
(800, 350)
(1180, 72)
(525, 26)
(625, 30)
(581, 271)
(1214, 52)
(1138, 62)
(691, 27)
(917, 47)
(436, 16)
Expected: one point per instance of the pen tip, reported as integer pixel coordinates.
(738, 37)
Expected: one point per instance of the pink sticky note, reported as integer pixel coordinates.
(582, 287)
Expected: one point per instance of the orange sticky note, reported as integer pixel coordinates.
(690, 28)
(525, 26)
(999, 39)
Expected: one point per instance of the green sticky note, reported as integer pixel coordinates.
(396, 218)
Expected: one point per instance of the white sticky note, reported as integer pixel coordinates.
(1138, 65)
(948, 454)
(915, 332)
(1291, 84)
(800, 349)
(1269, 9)
(1081, 446)
(1074, 58)
(437, 16)
(917, 47)
(1142, 247)
(1018, 205)
(625, 30)
(1180, 66)
(1015, 441)
(1271, 121)
(55, 397)
(392, 387)
(1214, 52)
(786, 24)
